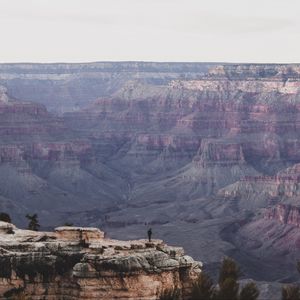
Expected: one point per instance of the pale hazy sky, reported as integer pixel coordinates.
(150, 30)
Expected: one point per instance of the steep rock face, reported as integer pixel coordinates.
(79, 263)
(285, 214)
(259, 191)
(3, 94)
(268, 240)
(28, 131)
(26, 120)
(215, 151)
(271, 236)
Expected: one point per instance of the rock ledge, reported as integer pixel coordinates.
(79, 263)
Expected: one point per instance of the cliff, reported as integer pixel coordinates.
(284, 214)
(79, 263)
(273, 235)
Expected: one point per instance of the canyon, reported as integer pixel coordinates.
(206, 154)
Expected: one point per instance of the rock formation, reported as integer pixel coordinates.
(285, 214)
(79, 263)
(3, 94)
(193, 150)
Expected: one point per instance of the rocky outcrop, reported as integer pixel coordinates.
(28, 131)
(284, 214)
(260, 191)
(79, 263)
(3, 94)
(219, 152)
(26, 119)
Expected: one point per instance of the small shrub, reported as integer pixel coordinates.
(229, 269)
(68, 224)
(203, 288)
(5, 217)
(291, 292)
(229, 289)
(249, 292)
(33, 222)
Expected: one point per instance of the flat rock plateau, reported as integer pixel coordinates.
(208, 155)
(79, 263)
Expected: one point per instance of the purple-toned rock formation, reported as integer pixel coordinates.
(200, 152)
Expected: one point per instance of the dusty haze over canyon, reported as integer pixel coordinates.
(206, 154)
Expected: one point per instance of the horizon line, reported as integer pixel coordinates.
(146, 61)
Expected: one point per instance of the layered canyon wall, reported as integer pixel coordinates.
(189, 149)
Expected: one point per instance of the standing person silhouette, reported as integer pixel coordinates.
(149, 232)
